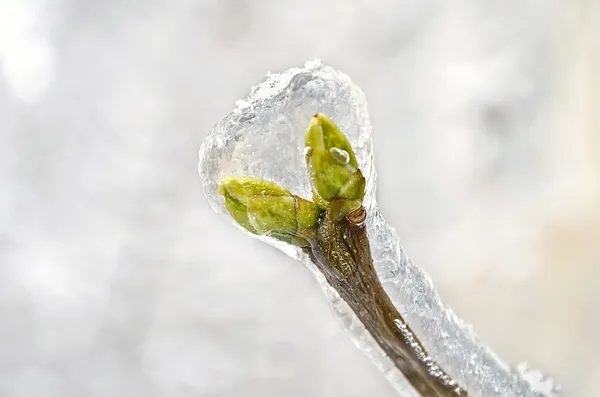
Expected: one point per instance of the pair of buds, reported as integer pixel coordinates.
(338, 187)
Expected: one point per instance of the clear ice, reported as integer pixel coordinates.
(264, 137)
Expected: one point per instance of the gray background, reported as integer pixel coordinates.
(116, 279)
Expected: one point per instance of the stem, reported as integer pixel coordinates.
(342, 253)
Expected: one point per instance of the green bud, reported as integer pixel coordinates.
(237, 210)
(262, 207)
(307, 212)
(332, 167)
(324, 135)
(242, 187)
(349, 198)
(270, 214)
(354, 189)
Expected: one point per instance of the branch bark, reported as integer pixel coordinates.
(342, 253)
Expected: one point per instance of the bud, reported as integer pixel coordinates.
(332, 167)
(262, 207)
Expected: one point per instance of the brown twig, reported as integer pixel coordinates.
(342, 253)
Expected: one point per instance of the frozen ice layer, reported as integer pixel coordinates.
(263, 137)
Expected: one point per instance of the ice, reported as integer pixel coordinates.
(263, 137)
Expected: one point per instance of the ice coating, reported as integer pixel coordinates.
(264, 137)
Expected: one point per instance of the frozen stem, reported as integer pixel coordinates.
(342, 253)
(331, 231)
(313, 196)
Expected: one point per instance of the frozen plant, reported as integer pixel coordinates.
(259, 166)
(331, 231)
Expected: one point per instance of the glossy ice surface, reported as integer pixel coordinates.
(263, 137)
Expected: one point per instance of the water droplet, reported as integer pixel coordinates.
(339, 155)
(263, 192)
(307, 151)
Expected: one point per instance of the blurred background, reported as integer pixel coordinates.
(116, 279)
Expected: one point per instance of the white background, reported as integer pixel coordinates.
(116, 279)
